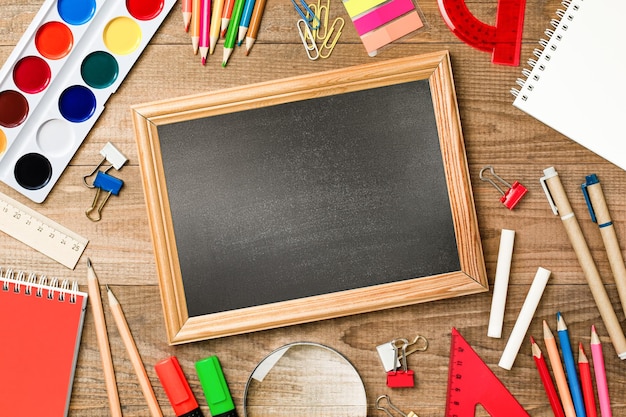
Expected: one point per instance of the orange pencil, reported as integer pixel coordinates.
(544, 374)
(227, 12)
(195, 25)
(586, 383)
(557, 370)
(187, 10)
(255, 23)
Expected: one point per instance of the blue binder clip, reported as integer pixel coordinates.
(110, 185)
(109, 154)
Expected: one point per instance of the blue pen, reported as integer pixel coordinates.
(570, 367)
(246, 15)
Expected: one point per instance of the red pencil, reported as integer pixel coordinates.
(585, 382)
(548, 385)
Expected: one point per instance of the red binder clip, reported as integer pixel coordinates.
(512, 195)
(400, 378)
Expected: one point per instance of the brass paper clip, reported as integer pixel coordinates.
(321, 11)
(308, 40)
(110, 185)
(386, 409)
(419, 344)
(325, 46)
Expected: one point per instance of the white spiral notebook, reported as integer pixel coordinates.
(576, 83)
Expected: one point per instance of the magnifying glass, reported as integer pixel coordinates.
(305, 379)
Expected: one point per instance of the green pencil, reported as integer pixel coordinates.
(231, 33)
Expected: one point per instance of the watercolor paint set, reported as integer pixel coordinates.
(55, 83)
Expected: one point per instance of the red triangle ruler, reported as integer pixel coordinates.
(471, 382)
(503, 40)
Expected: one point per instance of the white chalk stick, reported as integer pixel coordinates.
(525, 317)
(501, 284)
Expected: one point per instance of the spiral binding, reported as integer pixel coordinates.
(548, 46)
(54, 289)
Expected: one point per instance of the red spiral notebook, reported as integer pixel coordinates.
(40, 331)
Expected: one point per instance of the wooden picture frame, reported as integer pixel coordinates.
(470, 278)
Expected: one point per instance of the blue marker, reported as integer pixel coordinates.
(570, 367)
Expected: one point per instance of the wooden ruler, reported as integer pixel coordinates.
(471, 382)
(40, 233)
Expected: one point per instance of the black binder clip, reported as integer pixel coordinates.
(110, 185)
(512, 195)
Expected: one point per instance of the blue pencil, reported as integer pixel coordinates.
(570, 366)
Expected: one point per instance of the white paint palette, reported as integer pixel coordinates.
(55, 83)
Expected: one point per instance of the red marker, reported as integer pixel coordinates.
(177, 389)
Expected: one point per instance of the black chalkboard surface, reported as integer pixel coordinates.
(281, 203)
(308, 197)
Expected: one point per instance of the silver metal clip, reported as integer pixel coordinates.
(308, 40)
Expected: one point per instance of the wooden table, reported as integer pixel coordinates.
(496, 133)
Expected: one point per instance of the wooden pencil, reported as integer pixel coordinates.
(103, 341)
(133, 353)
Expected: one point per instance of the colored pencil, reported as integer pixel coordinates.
(548, 385)
(103, 341)
(600, 373)
(216, 25)
(255, 24)
(205, 27)
(133, 353)
(570, 366)
(246, 15)
(187, 10)
(586, 383)
(195, 25)
(557, 370)
(227, 12)
(231, 33)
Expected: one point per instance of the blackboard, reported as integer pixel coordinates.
(267, 202)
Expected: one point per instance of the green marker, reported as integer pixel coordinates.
(215, 388)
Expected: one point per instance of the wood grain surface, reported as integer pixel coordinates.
(496, 133)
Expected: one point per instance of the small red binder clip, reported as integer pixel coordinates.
(512, 195)
(400, 378)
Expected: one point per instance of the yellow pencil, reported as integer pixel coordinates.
(133, 353)
(216, 23)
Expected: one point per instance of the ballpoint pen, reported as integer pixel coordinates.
(599, 211)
